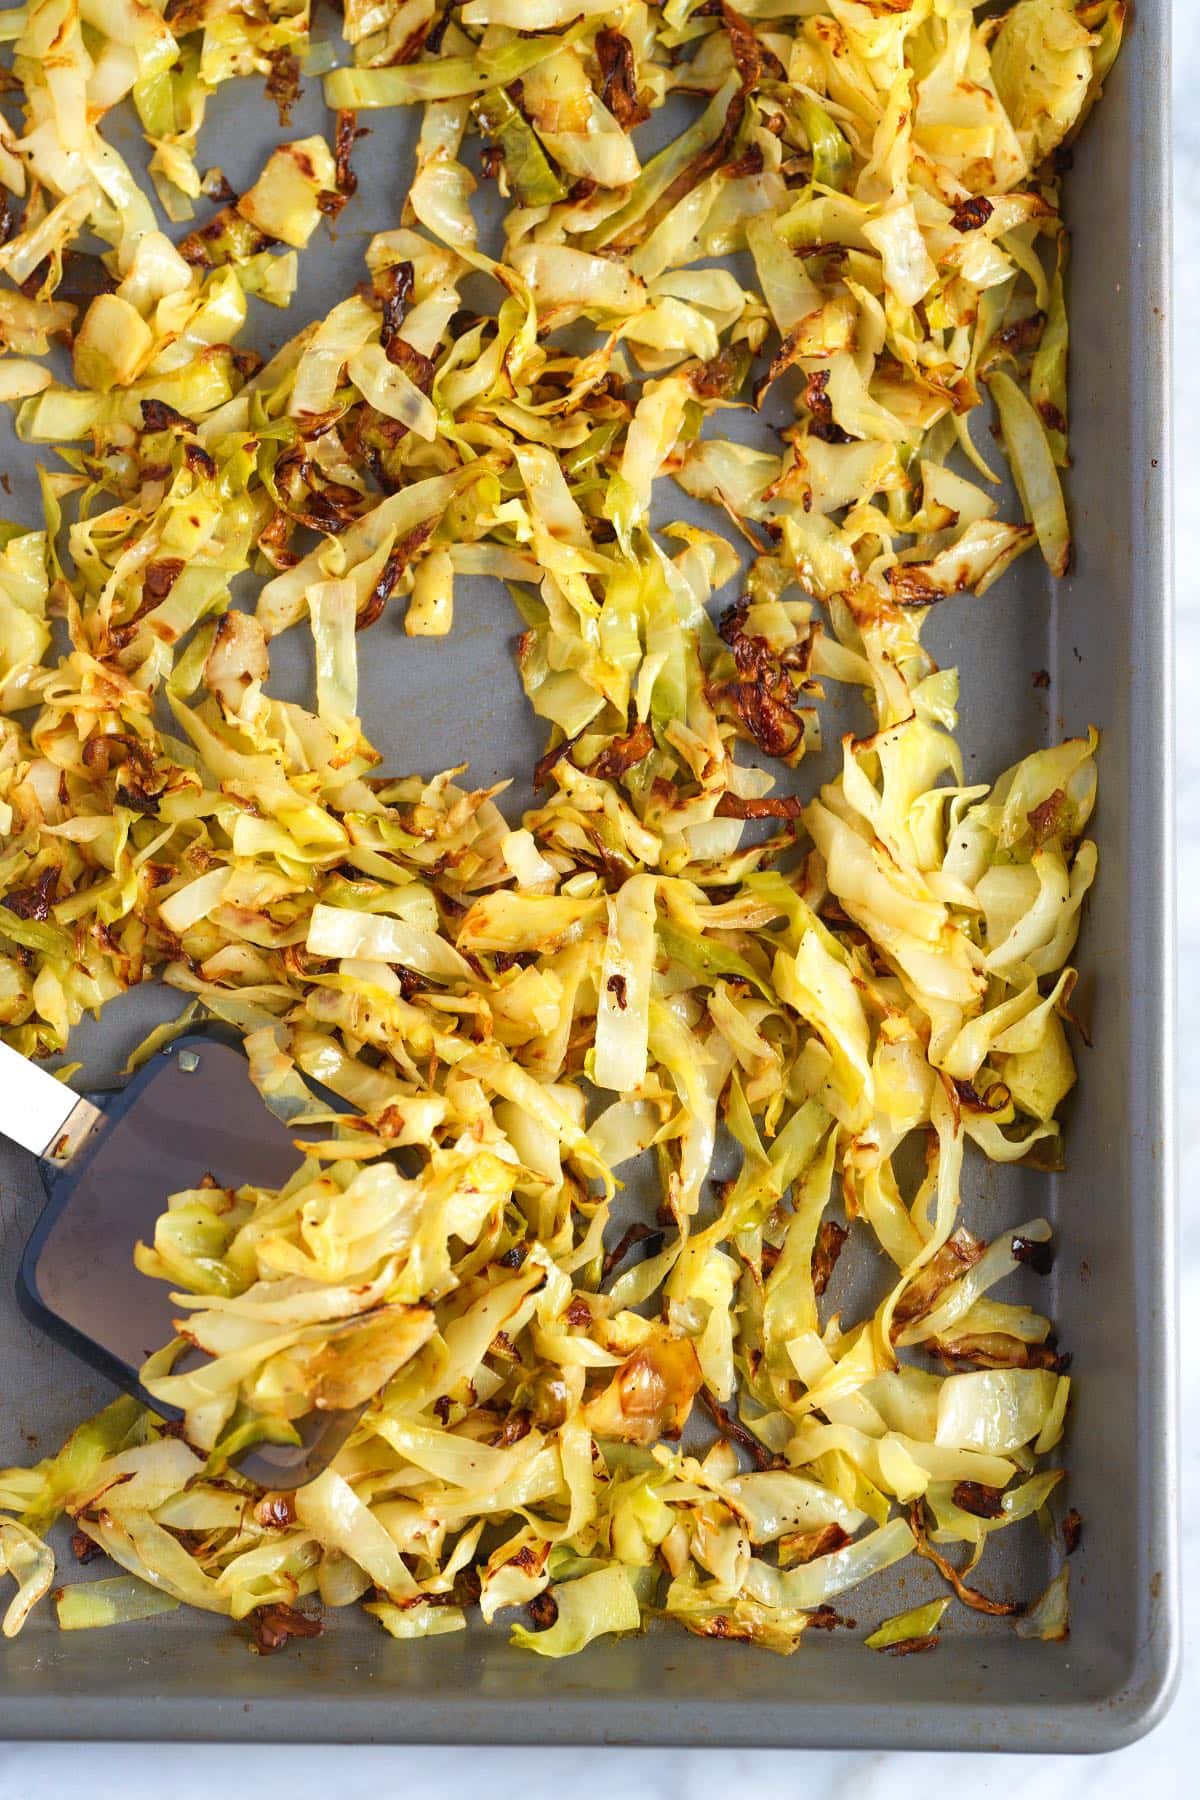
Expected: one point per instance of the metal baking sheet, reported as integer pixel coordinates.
(1104, 637)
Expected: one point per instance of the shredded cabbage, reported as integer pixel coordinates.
(906, 1631)
(669, 957)
(120, 1601)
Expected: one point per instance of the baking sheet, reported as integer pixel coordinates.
(1103, 635)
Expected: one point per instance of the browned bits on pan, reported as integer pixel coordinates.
(830, 1239)
(275, 1511)
(797, 1547)
(160, 577)
(274, 540)
(913, 1646)
(614, 53)
(636, 1234)
(820, 407)
(911, 585)
(83, 277)
(397, 562)
(750, 162)
(816, 398)
(427, 36)
(283, 82)
(1035, 1254)
(545, 765)
(761, 695)
(972, 213)
(998, 1609)
(517, 1425)
(331, 508)
(543, 1611)
(981, 1501)
(395, 288)
(247, 363)
(199, 462)
(733, 1429)
(960, 1252)
(791, 349)
(35, 901)
(467, 1587)
(503, 960)
(129, 794)
(1072, 1530)
(419, 368)
(36, 280)
(826, 1618)
(1022, 334)
(225, 238)
(623, 753)
(158, 416)
(722, 376)
(970, 1100)
(272, 1626)
(995, 1350)
(346, 134)
(777, 806)
(83, 1548)
(828, 432)
(744, 46)
(440, 1597)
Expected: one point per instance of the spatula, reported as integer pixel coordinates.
(109, 1161)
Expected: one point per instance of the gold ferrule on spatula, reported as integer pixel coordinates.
(41, 1113)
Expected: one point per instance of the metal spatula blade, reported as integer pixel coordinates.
(109, 1162)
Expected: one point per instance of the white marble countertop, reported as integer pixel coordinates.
(1155, 1765)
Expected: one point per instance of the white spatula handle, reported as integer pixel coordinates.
(40, 1113)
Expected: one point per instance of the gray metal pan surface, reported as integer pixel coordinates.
(1104, 636)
